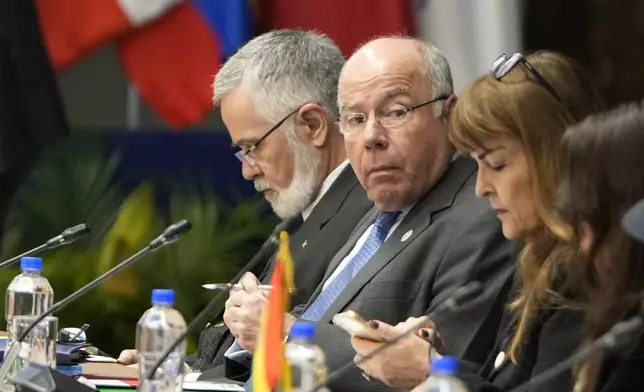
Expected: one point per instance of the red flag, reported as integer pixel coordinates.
(172, 62)
(347, 22)
(270, 368)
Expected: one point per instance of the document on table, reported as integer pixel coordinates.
(187, 386)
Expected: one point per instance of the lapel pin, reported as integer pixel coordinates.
(304, 244)
(406, 236)
(500, 360)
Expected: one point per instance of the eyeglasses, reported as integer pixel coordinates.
(242, 155)
(395, 116)
(503, 65)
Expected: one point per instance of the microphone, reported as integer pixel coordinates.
(459, 297)
(68, 236)
(171, 234)
(620, 337)
(267, 248)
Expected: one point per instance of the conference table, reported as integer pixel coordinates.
(116, 377)
(116, 385)
(109, 376)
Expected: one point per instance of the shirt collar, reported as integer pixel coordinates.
(326, 184)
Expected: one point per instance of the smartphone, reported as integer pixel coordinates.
(355, 325)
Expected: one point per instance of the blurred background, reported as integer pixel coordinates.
(146, 148)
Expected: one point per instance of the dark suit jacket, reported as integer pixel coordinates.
(312, 247)
(448, 239)
(552, 338)
(31, 110)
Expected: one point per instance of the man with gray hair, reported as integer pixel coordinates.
(277, 97)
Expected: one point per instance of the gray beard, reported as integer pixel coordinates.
(293, 200)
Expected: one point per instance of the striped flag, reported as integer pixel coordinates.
(270, 367)
(170, 49)
(172, 61)
(74, 28)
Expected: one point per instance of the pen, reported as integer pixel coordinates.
(228, 286)
(237, 286)
(82, 329)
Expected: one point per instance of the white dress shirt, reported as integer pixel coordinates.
(326, 185)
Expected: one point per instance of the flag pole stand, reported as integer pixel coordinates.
(132, 107)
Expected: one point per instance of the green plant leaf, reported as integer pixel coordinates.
(73, 183)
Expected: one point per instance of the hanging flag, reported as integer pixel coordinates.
(471, 34)
(72, 29)
(270, 367)
(172, 61)
(347, 22)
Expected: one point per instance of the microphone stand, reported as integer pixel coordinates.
(171, 234)
(68, 236)
(212, 306)
(30, 252)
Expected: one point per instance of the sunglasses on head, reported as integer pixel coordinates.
(504, 64)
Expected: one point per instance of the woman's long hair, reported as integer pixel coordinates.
(603, 176)
(519, 107)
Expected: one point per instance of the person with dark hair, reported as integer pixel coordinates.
(31, 110)
(603, 177)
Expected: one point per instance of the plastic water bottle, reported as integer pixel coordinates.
(443, 378)
(29, 294)
(306, 359)
(157, 329)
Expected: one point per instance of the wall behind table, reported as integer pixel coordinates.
(196, 156)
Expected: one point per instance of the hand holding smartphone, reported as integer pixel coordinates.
(355, 325)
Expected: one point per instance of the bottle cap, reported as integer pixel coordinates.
(162, 297)
(31, 264)
(302, 330)
(444, 365)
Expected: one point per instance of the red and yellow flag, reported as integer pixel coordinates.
(270, 367)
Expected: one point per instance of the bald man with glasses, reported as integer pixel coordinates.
(428, 234)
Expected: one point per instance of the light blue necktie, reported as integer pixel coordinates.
(383, 223)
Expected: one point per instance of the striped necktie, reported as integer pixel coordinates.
(383, 223)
